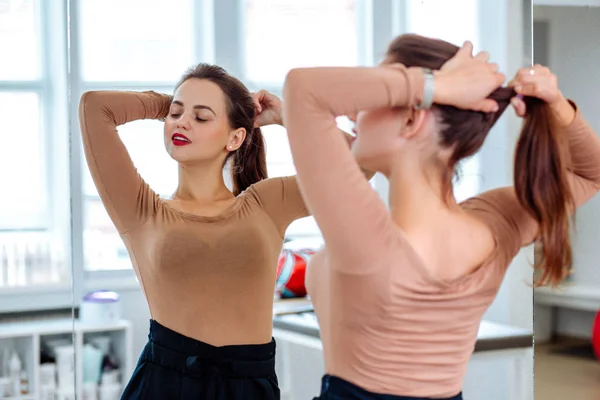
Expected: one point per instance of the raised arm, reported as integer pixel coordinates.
(502, 206)
(127, 198)
(584, 150)
(348, 211)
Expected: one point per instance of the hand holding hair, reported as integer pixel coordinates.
(465, 81)
(268, 109)
(539, 82)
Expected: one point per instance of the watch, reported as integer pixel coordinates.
(429, 87)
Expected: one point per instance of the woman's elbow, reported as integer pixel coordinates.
(293, 76)
(295, 83)
(294, 93)
(91, 100)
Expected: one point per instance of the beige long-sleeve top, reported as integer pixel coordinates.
(209, 278)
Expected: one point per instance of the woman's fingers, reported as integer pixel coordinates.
(519, 106)
(531, 90)
(257, 98)
(526, 79)
(483, 56)
(466, 50)
(487, 106)
(493, 67)
(500, 78)
(535, 71)
(541, 70)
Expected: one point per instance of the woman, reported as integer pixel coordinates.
(400, 294)
(206, 259)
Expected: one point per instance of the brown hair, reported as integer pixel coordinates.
(540, 176)
(249, 162)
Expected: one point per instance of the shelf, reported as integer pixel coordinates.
(53, 327)
(571, 295)
(567, 3)
(27, 337)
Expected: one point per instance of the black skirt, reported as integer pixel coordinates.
(173, 366)
(334, 388)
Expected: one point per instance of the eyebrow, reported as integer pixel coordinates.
(196, 107)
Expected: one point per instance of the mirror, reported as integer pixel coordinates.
(148, 47)
(567, 326)
(505, 372)
(37, 347)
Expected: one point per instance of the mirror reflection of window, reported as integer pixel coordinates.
(137, 45)
(33, 245)
(308, 33)
(129, 56)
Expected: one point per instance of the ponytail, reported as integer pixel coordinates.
(540, 178)
(249, 162)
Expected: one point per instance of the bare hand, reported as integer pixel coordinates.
(465, 81)
(537, 81)
(268, 109)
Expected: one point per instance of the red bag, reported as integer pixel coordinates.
(596, 336)
(291, 270)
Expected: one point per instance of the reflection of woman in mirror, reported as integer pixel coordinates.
(206, 258)
(400, 294)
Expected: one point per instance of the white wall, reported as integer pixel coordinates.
(574, 56)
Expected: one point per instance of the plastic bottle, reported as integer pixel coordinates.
(14, 373)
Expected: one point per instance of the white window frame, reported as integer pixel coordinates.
(52, 90)
(203, 51)
(41, 88)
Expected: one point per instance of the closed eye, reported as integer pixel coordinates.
(176, 115)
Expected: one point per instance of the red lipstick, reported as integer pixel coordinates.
(180, 140)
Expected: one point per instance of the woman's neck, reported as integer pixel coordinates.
(201, 183)
(417, 195)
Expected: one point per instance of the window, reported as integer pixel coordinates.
(284, 34)
(140, 46)
(137, 53)
(103, 247)
(27, 205)
(304, 34)
(33, 234)
(20, 18)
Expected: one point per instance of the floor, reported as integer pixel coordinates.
(565, 377)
